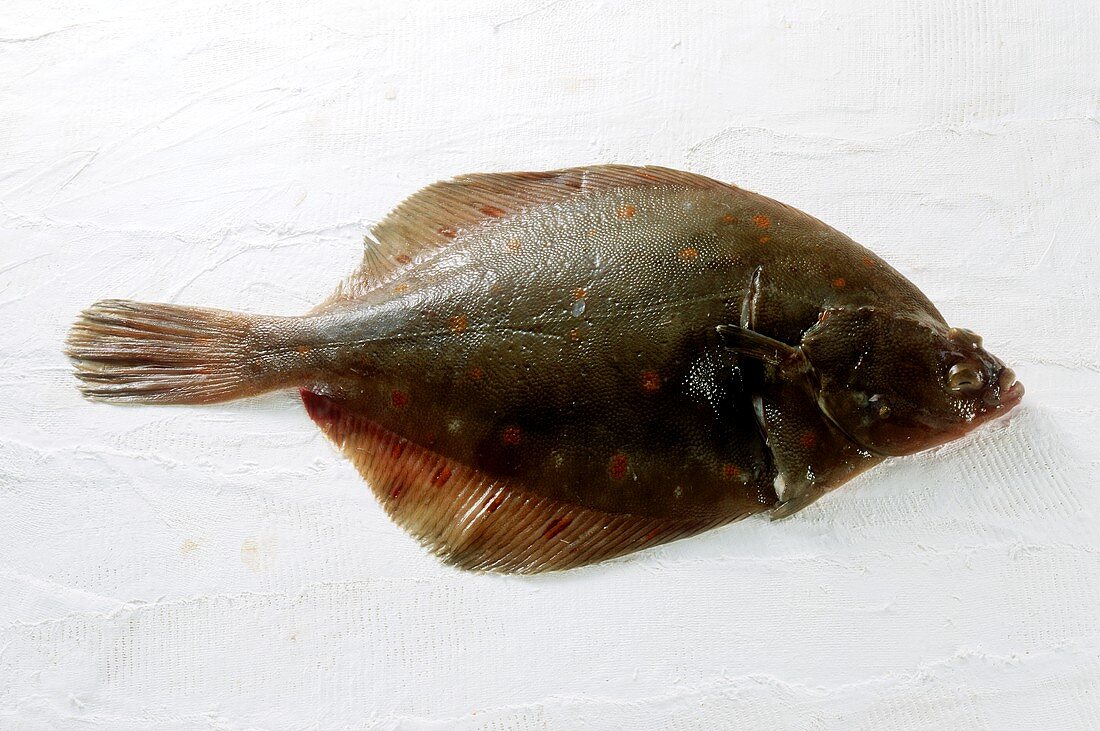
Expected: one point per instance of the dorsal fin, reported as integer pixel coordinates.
(475, 522)
(432, 218)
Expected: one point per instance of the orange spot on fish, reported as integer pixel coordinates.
(512, 435)
(476, 373)
(441, 475)
(448, 232)
(839, 282)
(459, 323)
(731, 470)
(626, 211)
(808, 440)
(647, 176)
(303, 349)
(399, 399)
(868, 261)
(764, 239)
(557, 525)
(491, 211)
(616, 468)
(728, 218)
(401, 288)
(689, 253)
(574, 335)
(579, 293)
(496, 503)
(514, 245)
(651, 381)
(403, 258)
(590, 233)
(761, 221)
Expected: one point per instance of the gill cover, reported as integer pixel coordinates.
(810, 455)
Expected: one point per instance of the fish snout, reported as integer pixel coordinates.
(1006, 393)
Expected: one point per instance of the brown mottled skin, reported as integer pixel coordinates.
(529, 349)
(573, 348)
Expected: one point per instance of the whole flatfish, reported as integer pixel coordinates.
(536, 371)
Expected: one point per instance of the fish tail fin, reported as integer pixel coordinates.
(168, 354)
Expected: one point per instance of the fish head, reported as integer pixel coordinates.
(899, 384)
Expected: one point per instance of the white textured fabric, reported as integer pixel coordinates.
(223, 567)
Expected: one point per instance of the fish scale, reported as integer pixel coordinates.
(535, 371)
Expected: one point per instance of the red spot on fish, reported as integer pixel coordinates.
(496, 503)
(459, 323)
(492, 211)
(430, 439)
(626, 211)
(839, 282)
(579, 293)
(731, 470)
(728, 218)
(689, 253)
(651, 535)
(651, 381)
(511, 435)
(647, 176)
(868, 261)
(448, 232)
(808, 440)
(403, 258)
(399, 399)
(441, 475)
(476, 373)
(761, 221)
(616, 468)
(396, 490)
(397, 450)
(557, 525)
(764, 239)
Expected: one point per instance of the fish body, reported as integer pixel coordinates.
(540, 370)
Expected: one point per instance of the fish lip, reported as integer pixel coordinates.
(1009, 399)
(1012, 396)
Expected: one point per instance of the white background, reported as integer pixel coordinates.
(224, 568)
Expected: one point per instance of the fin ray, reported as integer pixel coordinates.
(431, 219)
(475, 522)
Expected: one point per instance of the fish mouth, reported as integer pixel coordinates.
(1004, 398)
(1012, 396)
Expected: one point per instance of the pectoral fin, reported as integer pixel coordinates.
(752, 344)
(809, 454)
(790, 507)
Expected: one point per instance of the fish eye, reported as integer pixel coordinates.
(963, 378)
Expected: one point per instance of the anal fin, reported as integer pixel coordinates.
(475, 522)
